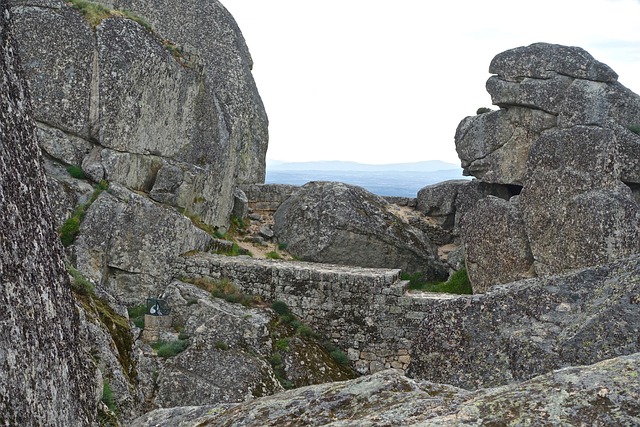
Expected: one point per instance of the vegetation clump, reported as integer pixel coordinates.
(273, 255)
(107, 396)
(635, 129)
(458, 283)
(71, 226)
(76, 172)
(80, 284)
(136, 314)
(167, 349)
(225, 289)
(483, 110)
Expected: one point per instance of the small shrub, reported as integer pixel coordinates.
(76, 172)
(276, 359)
(69, 230)
(169, 349)
(192, 301)
(273, 255)
(221, 345)
(282, 344)
(458, 283)
(94, 13)
(635, 129)
(483, 110)
(80, 284)
(136, 314)
(107, 395)
(237, 224)
(281, 308)
(340, 357)
(282, 246)
(141, 21)
(306, 331)
(183, 336)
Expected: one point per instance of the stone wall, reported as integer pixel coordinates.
(365, 311)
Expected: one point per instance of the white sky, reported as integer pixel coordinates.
(388, 81)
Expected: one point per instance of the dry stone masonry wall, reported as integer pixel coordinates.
(365, 311)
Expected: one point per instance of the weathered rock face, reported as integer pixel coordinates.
(562, 135)
(185, 125)
(45, 376)
(126, 244)
(504, 242)
(575, 209)
(224, 355)
(344, 224)
(514, 332)
(602, 394)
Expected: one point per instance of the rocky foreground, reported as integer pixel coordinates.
(604, 394)
(149, 130)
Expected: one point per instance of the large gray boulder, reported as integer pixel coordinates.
(535, 86)
(338, 223)
(498, 224)
(576, 212)
(514, 332)
(601, 394)
(564, 137)
(126, 244)
(46, 376)
(173, 104)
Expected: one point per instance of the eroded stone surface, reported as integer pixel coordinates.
(343, 224)
(516, 331)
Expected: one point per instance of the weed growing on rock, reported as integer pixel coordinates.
(80, 284)
(136, 314)
(283, 344)
(273, 255)
(221, 345)
(225, 289)
(76, 172)
(141, 21)
(458, 283)
(94, 13)
(107, 396)
(169, 348)
(281, 308)
(71, 226)
(635, 129)
(340, 357)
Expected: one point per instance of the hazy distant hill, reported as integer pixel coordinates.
(424, 166)
(399, 179)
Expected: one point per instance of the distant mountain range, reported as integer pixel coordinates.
(335, 165)
(399, 179)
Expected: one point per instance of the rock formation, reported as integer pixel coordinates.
(602, 394)
(344, 224)
(163, 106)
(522, 329)
(563, 136)
(46, 378)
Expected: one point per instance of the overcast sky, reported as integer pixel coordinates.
(388, 81)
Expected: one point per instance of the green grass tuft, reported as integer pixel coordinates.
(458, 283)
(136, 314)
(281, 308)
(169, 348)
(76, 172)
(340, 357)
(273, 255)
(80, 284)
(221, 345)
(107, 395)
(635, 129)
